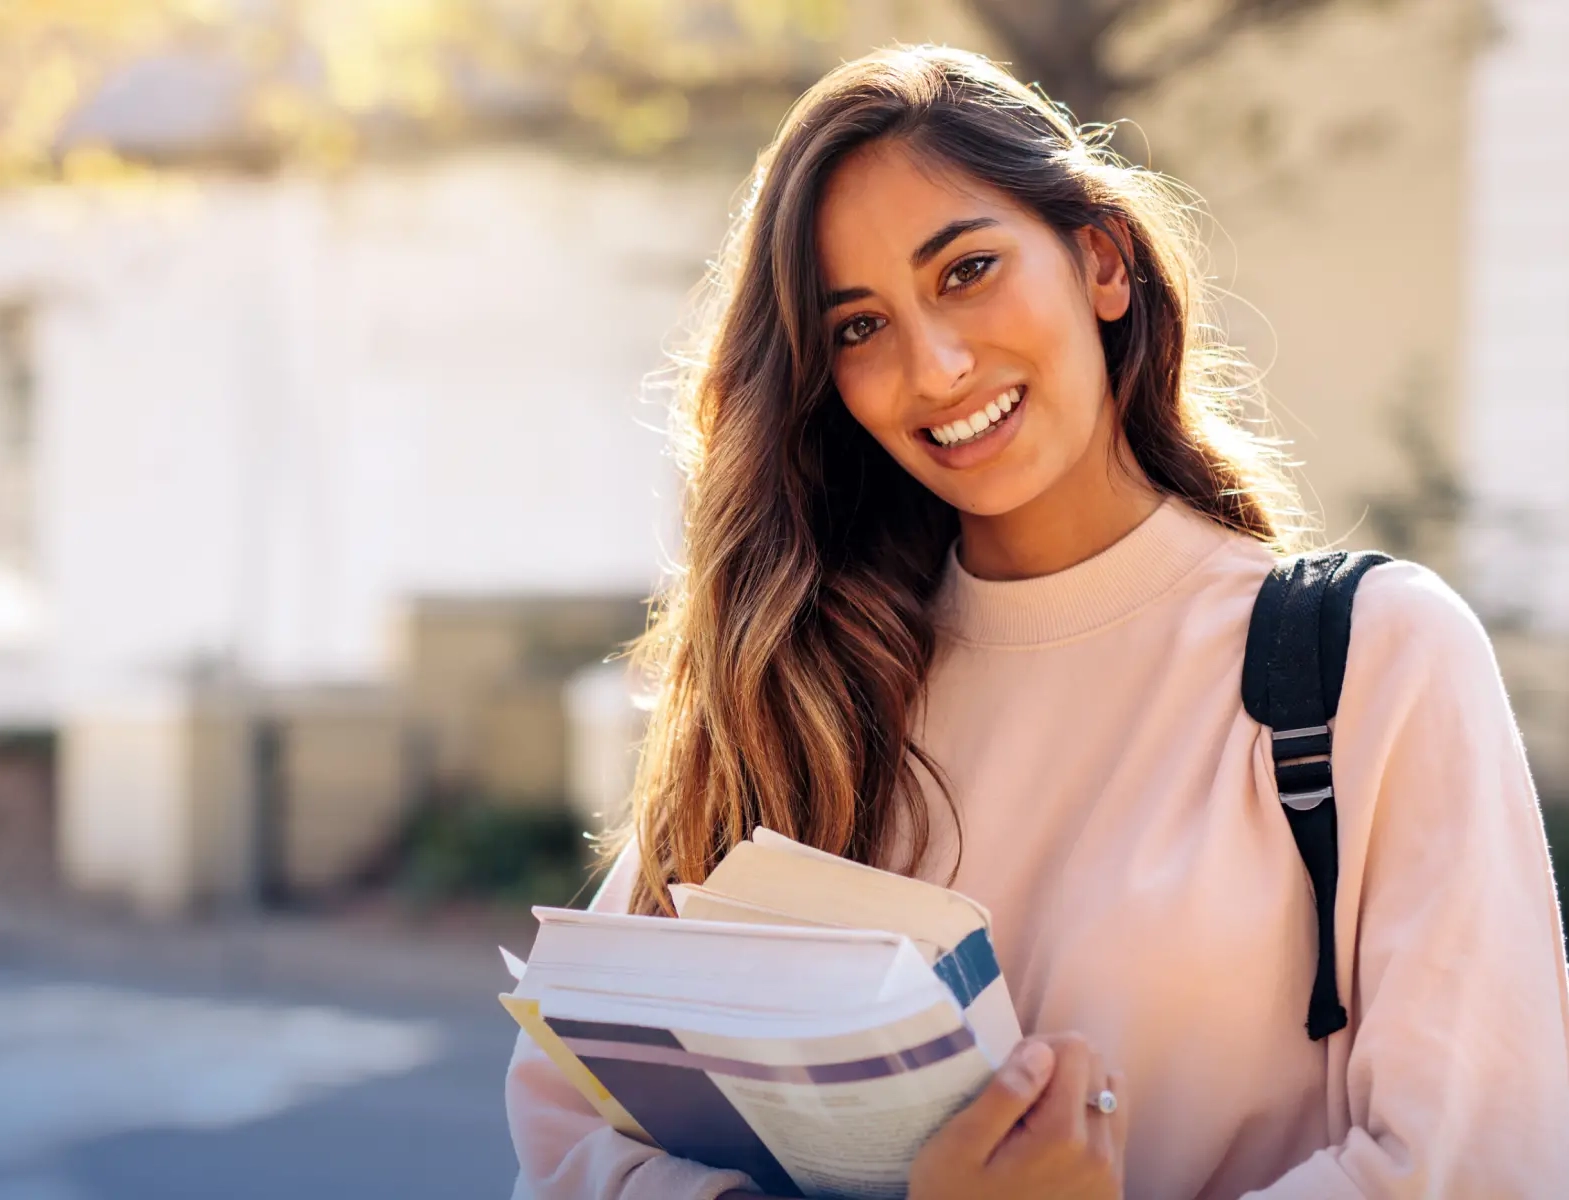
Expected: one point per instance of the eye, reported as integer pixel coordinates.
(857, 329)
(968, 271)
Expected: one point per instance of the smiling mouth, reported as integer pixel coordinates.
(978, 424)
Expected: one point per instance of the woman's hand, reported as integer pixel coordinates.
(1031, 1132)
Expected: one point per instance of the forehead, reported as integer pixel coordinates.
(884, 200)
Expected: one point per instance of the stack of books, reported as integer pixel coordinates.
(808, 1020)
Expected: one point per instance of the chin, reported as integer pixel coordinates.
(997, 501)
(1022, 475)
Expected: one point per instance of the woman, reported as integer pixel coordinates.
(972, 542)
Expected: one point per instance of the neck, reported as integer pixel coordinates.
(1083, 513)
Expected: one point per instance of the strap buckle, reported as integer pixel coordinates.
(1302, 772)
(1306, 801)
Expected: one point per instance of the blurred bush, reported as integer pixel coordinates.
(477, 848)
(1556, 818)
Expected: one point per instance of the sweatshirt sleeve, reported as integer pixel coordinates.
(565, 1150)
(1457, 1068)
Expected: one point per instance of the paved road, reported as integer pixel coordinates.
(266, 1059)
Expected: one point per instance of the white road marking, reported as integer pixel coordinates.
(80, 1062)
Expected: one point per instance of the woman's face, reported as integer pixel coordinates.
(964, 333)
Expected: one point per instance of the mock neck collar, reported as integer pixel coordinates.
(1135, 570)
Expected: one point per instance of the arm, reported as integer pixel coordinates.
(566, 1151)
(1457, 1073)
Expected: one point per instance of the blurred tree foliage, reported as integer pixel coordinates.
(321, 82)
(1090, 54)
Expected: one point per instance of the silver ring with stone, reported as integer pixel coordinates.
(1105, 1103)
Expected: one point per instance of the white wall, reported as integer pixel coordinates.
(1516, 435)
(271, 408)
(1330, 156)
(126, 822)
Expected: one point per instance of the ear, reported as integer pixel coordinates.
(1105, 274)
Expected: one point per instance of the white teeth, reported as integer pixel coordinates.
(977, 423)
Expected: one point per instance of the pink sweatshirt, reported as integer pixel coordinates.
(1122, 825)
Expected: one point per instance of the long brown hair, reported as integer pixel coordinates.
(790, 650)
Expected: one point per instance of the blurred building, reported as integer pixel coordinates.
(300, 433)
(313, 489)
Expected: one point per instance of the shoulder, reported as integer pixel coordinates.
(1406, 614)
(1418, 653)
(1405, 619)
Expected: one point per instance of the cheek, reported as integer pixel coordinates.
(1067, 351)
(868, 394)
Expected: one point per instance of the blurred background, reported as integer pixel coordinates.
(331, 479)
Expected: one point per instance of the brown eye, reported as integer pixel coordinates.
(970, 270)
(857, 329)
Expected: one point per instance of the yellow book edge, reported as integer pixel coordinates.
(526, 1014)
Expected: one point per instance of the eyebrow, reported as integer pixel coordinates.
(924, 253)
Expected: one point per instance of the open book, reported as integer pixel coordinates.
(808, 1020)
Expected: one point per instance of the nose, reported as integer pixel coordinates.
(937, 359)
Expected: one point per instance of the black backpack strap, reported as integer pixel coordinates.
(1291, 675)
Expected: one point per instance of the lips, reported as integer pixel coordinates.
(978, 449)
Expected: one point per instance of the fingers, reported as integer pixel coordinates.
(973, 1133)
(1062, 1128)
(1064, 1109)
(1101, 1128)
